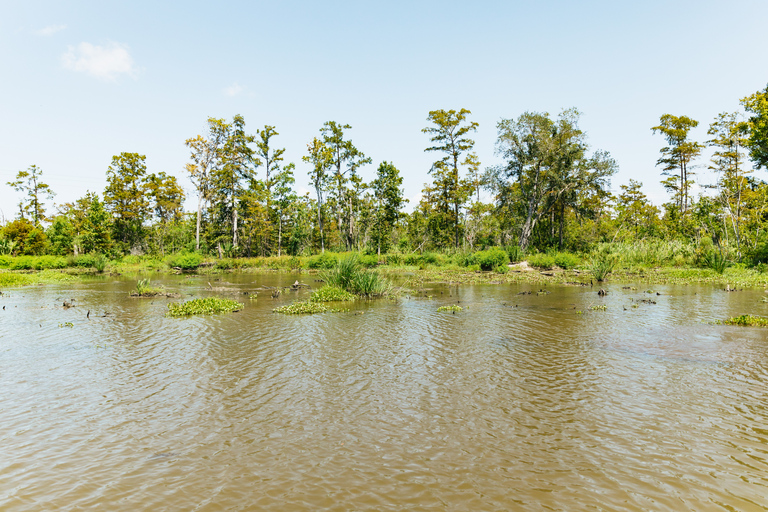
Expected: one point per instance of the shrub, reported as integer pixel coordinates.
(325, 260)
(5, 261)
(515, 253)
(501, 269)
(491, 258)
(541, 261)
(465, 259)
(566, 260)
(369, 260)
(185, 261)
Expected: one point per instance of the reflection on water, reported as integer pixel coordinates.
(518, 402)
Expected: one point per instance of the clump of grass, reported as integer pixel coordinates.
(602, 264)
(747, 321)
(453, 307)
(206, 306)
(99, 262)
(306, 308)
(144, 289)
(716, 259)
(331, 294)
(348, 275)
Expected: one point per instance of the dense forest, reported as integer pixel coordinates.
(550, 193)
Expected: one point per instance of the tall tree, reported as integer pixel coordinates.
(346, 159)
(729, 136)
(449, 135)
(676, 158)
(125, 196)
(166, 198)
(30, 184)
(757, 105)
(547, 168)
(272, 159)
(284, 199)
(205, 157)
(389, 200)
(321, 158)
(237, 166)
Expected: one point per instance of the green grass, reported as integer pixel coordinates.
(206, 306)
(348, 275)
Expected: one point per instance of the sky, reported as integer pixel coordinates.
(83, 81)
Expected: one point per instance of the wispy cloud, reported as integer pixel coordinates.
(103, 62)
(49, 30)
(234, 89)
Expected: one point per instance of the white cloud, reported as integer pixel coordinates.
(103, 62)
(50, 30)
(234, 89)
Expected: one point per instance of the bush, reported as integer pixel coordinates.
(501, 269)
(492, 258)
(324, 260)
(185, 261)
(566, 260)
(544, 261)
(515, 253)
(465, 259)
(369, 261)
(5, 261)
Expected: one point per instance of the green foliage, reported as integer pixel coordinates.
(501, 269)
(453, 307)
(540, 260)
(324, 260)
(99, 262)
(747, 321)
(206, 306)
(307, 307)
(566, 260)
(602, 264)
(348, 275)
(36, 263)
(515, 253)
(716, 259)
(331, 294)
(491, 258)
(144, 289)
(185, 261)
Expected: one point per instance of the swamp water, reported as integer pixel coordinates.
(517, 402)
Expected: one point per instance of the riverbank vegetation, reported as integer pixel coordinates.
(550, 205)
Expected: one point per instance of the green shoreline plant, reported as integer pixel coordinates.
(746, 321)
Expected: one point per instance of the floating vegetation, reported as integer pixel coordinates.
(306, 307)
(331, 294)
(206, 306)
(599, 308)
(746, 321)
(67, 324)
(450, 308)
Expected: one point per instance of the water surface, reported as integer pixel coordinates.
(518, 402)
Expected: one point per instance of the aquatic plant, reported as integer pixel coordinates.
(331, 294)
(453, 307)
(746, 321)
(143, 289)
(99, 262)
(206, 306)
(599, 308)
(306, 307)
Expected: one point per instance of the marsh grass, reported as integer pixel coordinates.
(602, 265)
(206, 306)
(348, 275)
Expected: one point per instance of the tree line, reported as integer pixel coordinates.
(551, 191)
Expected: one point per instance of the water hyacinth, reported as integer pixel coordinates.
(331, 294)
(206, 306)
(306, 308)
(747, 321)
(450, 308)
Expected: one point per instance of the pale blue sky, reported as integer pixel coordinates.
(83, 81)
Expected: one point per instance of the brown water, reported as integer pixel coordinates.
(518, 402)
